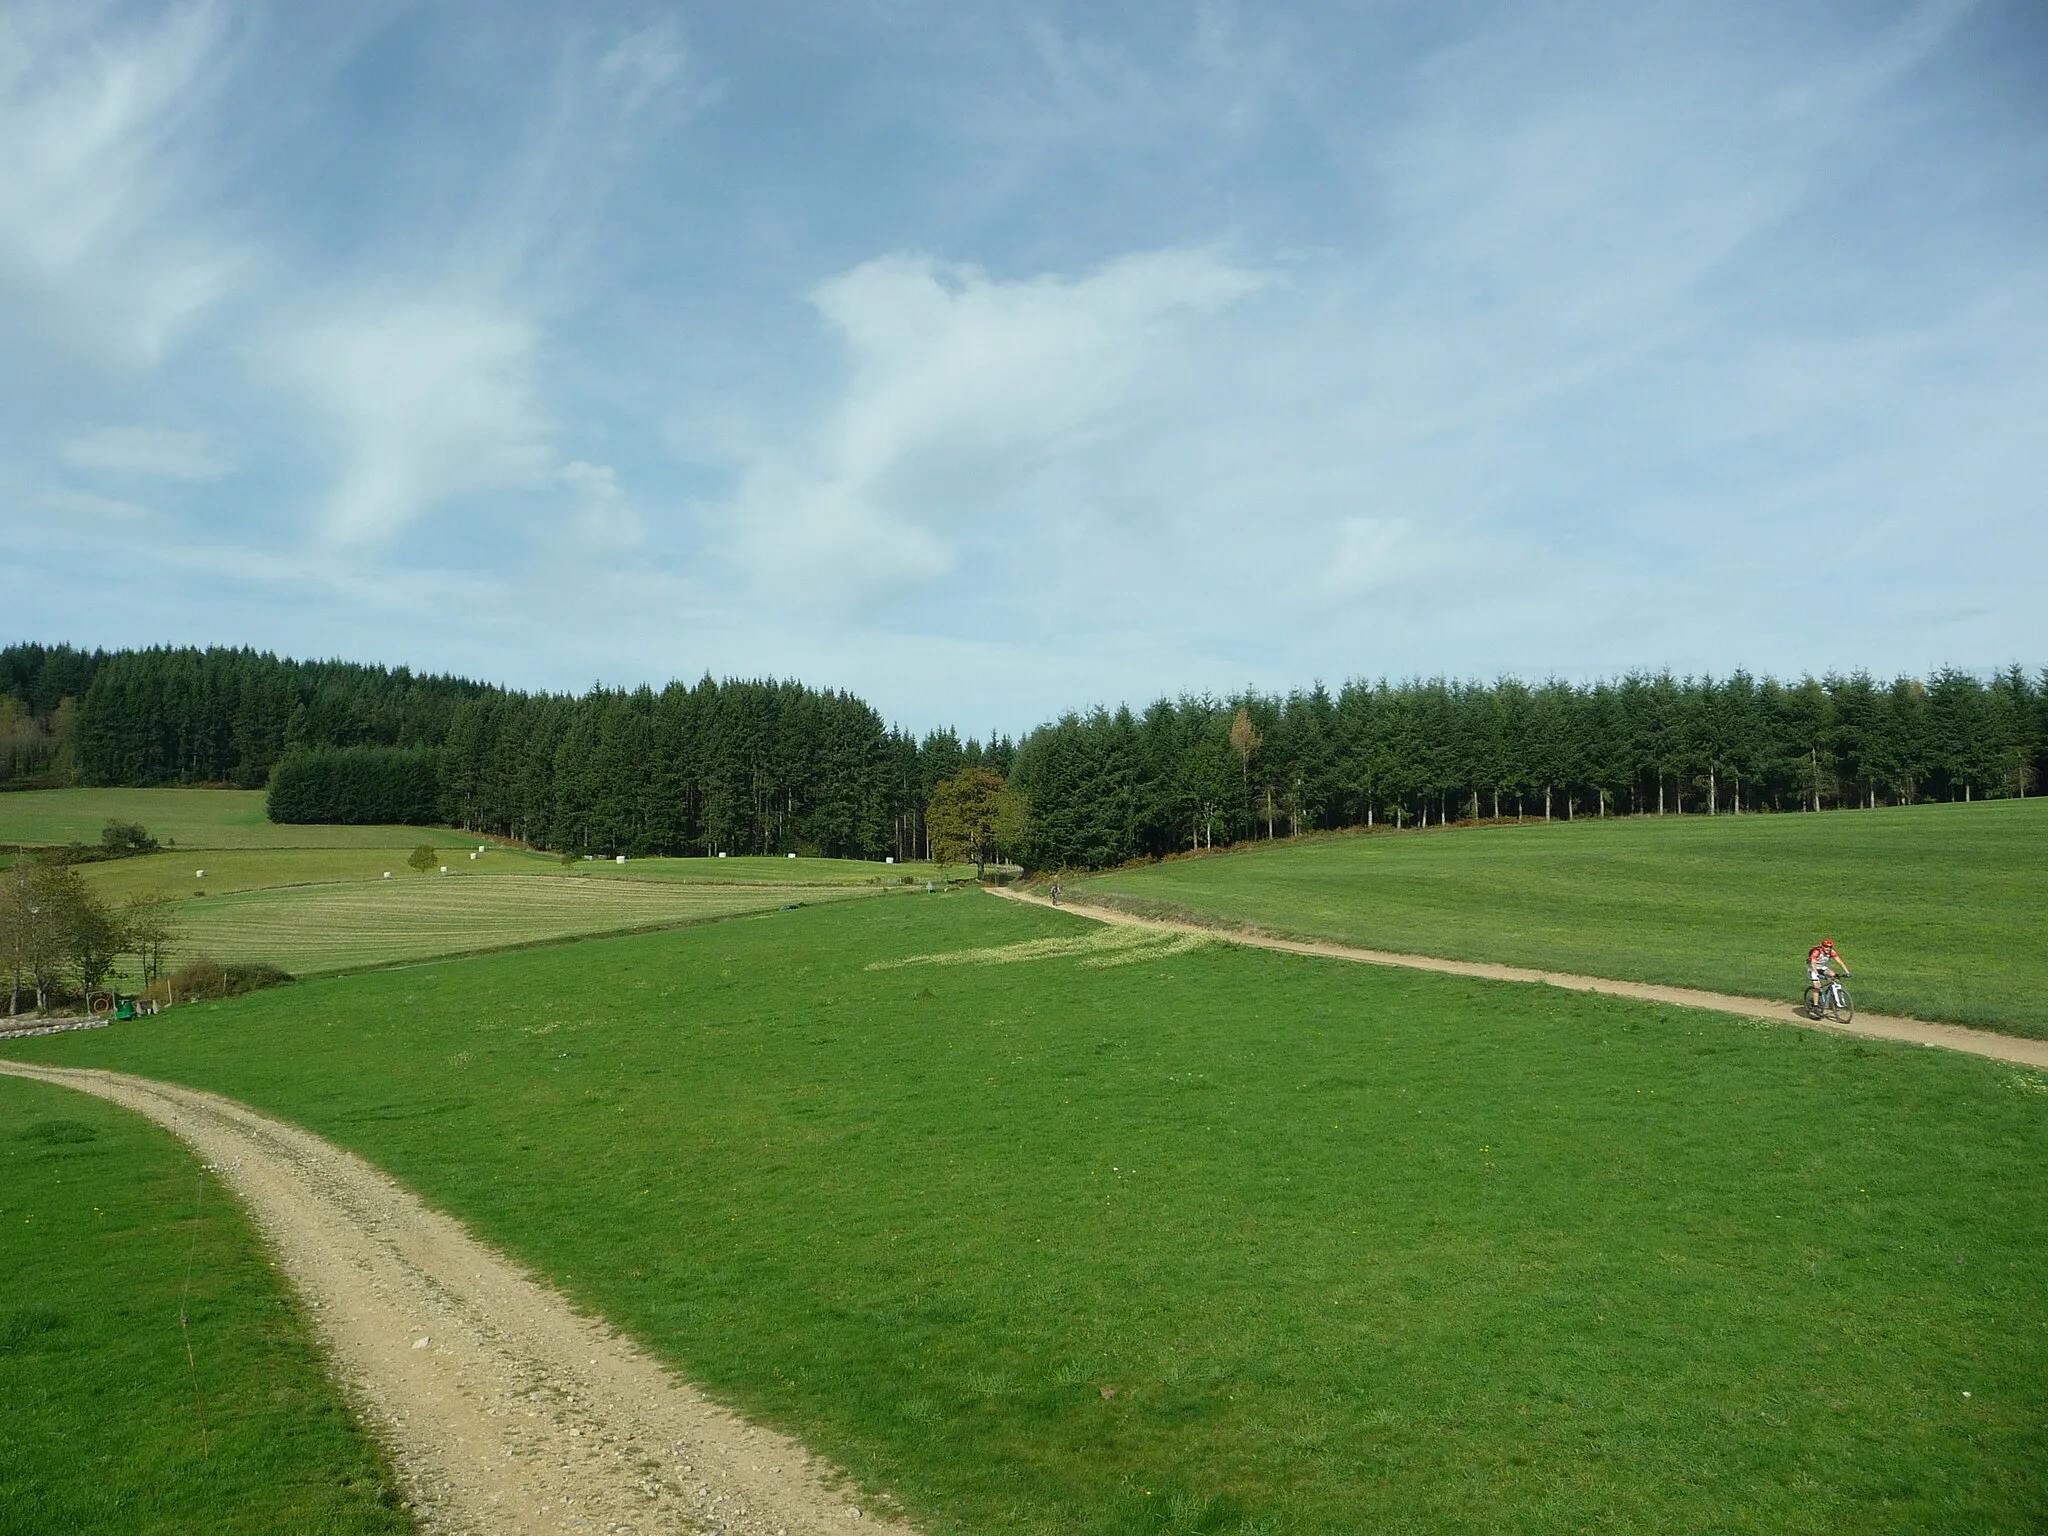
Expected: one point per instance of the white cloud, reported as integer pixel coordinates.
(431, 400)
(643, 64)
(960, 385)
(1368, 553)
(95, 212)
(1583, 309)
(603, 516)
(148, 452)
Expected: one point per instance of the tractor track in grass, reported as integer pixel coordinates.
(2016, 1049)
(502, 1408)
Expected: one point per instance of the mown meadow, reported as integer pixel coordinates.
(312, 899)
(102, 1218)
(1942, 910)
(1128, 1236)
(350, 926)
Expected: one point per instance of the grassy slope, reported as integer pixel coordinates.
(233, 821)
(1941, 909)
(315, 928)
(96, 1231)
(195, 818)
(1355, 1249)
(314, 898)
(248, 869)
(765, 870)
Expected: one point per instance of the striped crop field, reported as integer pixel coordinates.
(354, 924)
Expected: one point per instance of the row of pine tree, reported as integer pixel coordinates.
(772, 767)
(735, 767)
(1108, 787)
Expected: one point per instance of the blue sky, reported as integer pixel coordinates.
(994, 360)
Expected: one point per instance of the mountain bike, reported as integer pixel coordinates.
(1830, 1000)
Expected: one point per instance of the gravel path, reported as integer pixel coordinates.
(1953, 1037)
(503, 1410)
(16, 1031)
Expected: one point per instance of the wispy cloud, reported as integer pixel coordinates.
(157, 453)
(426, 377)
(428, 401)
(95, 216)
(959, 385)
(644, 64)
(1259, 343)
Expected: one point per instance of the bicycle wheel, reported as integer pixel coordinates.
(1841, 1007)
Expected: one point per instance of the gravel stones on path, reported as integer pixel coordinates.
(2017, 1049)
(503, 1410)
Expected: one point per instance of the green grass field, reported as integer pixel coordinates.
(100, 1216)
(1941, 910)
(249, 869)
(348, 926)
(1139, 1239)
(763, 870)
(313, 899)
(191, 818)
(233, 819)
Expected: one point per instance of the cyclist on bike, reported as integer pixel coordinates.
(1822, 965)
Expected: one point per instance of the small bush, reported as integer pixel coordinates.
(423, 858)
(124, 839)
(202, 977)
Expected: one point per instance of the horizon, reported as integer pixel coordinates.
(2036, 677)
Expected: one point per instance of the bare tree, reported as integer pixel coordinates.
(150, 925)
(1244, 741)
(95, 940)
(48, 921)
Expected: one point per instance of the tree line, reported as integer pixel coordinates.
(40, 686)
(769, 767)
(1108, 787)
(739, 766)
(357, 786)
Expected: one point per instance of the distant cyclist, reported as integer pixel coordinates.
(1055, 890)
(1823, 964)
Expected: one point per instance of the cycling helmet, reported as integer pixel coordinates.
(1827, 943)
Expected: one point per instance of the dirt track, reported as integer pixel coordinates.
(1877, 1026)
(503, 1410)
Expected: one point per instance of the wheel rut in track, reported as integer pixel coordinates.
(502, 1408)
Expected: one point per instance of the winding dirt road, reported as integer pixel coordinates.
(503, 1410)
(1877, 1026)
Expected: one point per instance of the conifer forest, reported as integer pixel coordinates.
(764, 766)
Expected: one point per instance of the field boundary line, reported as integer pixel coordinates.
(2017, 1049)
(552, 941)
(504, 1407)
